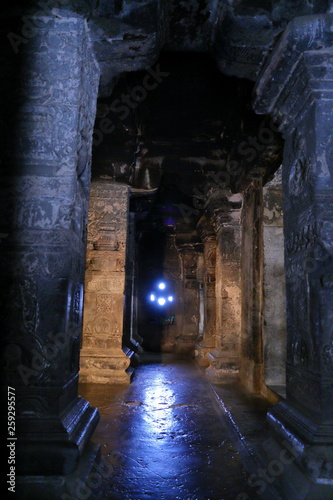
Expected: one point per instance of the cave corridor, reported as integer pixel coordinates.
(167, 251)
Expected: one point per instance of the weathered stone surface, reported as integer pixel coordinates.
(225, 358)
(251, 338)
(47, 110)
(102, 357)
(189, 323)
(274, 303)
(302, 105)
(207, 282)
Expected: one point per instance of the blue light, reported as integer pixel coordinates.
(161, 285)
(152, 297)
(161, 301)
(170, 298)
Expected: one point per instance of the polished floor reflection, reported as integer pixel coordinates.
(164, 437)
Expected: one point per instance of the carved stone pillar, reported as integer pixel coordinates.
(189, 254)
(48, 107)
(251, 277)
(225, 358)
(102, 357)
(207, 344)
(296, 87)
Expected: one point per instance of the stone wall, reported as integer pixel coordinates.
(102, 357)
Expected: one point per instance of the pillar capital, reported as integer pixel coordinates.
(227, 212)
(205, 229)
(297, 72)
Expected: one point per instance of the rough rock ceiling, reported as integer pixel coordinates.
(196, 128)
(192, 134)
(128, 35)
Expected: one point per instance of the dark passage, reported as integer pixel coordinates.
(164, 437)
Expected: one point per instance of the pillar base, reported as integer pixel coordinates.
(133, 356)
(53, 446)
(285, 420)
(69, 487)
(311, 473)
(185, 343)
(98, 368)
(223, 368)
(200, 352)
(285, 467)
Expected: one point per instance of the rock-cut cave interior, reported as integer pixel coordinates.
(167, 250)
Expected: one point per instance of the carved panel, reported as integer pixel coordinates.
(113, 284)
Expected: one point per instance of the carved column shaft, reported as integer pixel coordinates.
(251, 283)
(102, 357)
(224, 359)
(48, 122)
(190, 296)
(303, 105)
(208, 236)
(131, 338)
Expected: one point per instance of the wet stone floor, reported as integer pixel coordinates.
(164, 437)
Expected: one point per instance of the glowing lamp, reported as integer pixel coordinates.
(161, 301)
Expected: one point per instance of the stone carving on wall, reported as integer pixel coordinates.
(302, 239)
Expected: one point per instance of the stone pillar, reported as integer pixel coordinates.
(102, 357)
(48, 105)
(207, 344)
(251, 284)
(225, 358)
(274, 289)
(131, 339)
(296, 88)
(171, 330)
(190, 298)
(200, 279)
